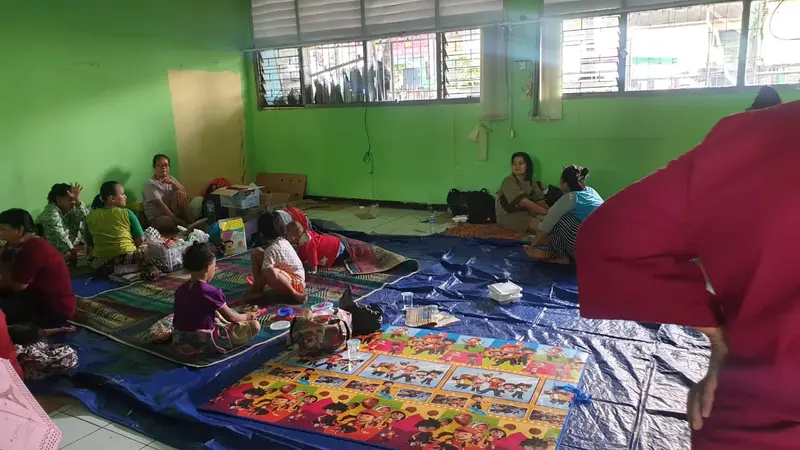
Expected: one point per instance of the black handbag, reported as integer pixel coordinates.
(365, 319)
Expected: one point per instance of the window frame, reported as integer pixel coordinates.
(741, 73)
(440, 79)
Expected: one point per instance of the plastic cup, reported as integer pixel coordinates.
(353, 348)
(408, 300)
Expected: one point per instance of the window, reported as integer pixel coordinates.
(590, 55)
(280, 77)
(773, 50)
(461, 64)
(403, 68)
(432, 66)
(334, 73)
(682, 48)
(698, 46)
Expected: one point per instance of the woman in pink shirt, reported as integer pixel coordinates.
(731, 203)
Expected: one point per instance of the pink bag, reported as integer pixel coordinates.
(321, 333)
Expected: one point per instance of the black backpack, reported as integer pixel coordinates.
(478, 206)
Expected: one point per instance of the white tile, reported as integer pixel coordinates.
(160, 446)
(82, 412)
(104, 439)
(69, 402)
(127, 432)
(72, 428)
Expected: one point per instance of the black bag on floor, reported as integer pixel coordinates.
(478, 206)
(365, 319)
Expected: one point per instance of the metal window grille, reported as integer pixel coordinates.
(590, 55)
(773, 50)
(461, 64)
(279, 73)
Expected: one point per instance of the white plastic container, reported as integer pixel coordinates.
(505, 293)
(506, 289)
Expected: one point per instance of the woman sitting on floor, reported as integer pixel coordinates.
(520, 204)
(61, 221)
(166, 204)
(113, 233)
(37, 287)
(560, 227)
(198, 304)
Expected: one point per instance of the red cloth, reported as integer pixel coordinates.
(298, 216)
(7, 347)
(40, 266)
(732, 203)
(320, 250)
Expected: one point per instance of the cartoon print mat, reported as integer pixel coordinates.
(418, 389)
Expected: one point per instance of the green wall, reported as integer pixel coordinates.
(84, 94)
(421, 152)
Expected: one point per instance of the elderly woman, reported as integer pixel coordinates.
(165, 199)
(636, 260)
(520, 204)
(37, 287)
(61, 221)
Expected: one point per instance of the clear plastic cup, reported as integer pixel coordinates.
(353, 348)
(408, 300)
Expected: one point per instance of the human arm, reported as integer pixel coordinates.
(534, 207)
(564, 206)
(136, 228)
(232, 316)
(701, 396)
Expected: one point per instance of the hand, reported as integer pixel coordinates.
(252, 316)
(700, 401)
(75, 193)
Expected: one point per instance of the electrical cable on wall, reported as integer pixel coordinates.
(772, 32)
(368, 157)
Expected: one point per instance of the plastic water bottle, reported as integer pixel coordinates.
(211, 213)
(408, 300)
(431, 219)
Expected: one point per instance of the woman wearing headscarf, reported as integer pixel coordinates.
(636, 261)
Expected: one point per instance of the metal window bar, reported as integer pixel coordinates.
(591, 49)
(773, 50)
(334, 73)
(674, 64)
(403, 68)
(461, 64)
(279, 78)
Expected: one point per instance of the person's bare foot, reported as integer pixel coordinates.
(530, 251)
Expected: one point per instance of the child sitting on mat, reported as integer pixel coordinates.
(314, 249)
(278, 265)
(203, 322)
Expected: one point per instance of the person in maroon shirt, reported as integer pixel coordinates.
(37, 288)
(732, 204)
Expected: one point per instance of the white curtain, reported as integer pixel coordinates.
(550, 96)
(494, 74)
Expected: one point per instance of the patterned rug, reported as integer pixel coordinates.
(365, 258)
(410, 388)
(139, 315)
(483, 231)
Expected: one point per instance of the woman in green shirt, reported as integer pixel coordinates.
(61, 221)
(114, 234)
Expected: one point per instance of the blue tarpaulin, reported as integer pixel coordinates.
(638, 374)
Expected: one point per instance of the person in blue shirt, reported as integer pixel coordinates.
(555, 241)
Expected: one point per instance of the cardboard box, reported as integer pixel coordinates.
(233, 236)
(281, 189)
(239, 196)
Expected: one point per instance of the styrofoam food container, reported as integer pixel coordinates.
(506, 298)
(505, 289)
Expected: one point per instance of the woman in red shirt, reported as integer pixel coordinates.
(637, 260)
(37, 288)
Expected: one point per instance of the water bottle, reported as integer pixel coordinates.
(431, 219)
(408, 300)
(211, 213)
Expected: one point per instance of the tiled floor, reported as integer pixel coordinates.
(389, 221)
(83, 430)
